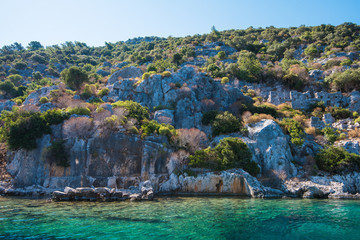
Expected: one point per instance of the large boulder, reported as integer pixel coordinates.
(129, 72)
(270, 148)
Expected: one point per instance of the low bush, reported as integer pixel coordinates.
(165, 74)
(340, 113)
(337, 160)
(151, 127)
(294, 129)
(44, 100)
(135, 110)
(103, 92)
(21, 129)
(330, 134)
(209, 117)
(229, 153)
(225, 123)
(257, 118)
(224, 80)
(79, 111)
(145, 76)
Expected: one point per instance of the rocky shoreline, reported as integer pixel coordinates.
(234, 182)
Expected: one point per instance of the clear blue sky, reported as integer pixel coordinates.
(96, 21)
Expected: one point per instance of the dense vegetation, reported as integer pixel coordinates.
(269, 55)
(229, 153)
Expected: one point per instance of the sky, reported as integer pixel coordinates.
(98, 21)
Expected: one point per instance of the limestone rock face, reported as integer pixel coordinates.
(230, 182)
(129, 72)
(270, 148)
(186, 91)
(117, 160)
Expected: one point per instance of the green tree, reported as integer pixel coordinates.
(74, 77)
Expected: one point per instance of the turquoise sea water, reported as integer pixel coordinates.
(180, 218)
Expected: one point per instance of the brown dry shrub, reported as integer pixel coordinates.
(311, 131)
(77, 127)
(208, 105)
(101, 115)
(301, 72)
(31, 108)
(191, 139)
(301, 119)
(354, 133)
(257, 118)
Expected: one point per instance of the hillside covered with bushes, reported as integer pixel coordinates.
(209, 98)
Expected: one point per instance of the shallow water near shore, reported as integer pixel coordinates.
(180, 218)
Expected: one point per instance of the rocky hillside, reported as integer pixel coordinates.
(256, 112)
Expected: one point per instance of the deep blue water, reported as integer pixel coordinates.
(181, 218)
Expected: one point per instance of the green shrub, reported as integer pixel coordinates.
(58, 154)
(74, 77)
(221, 55)
(336, 160)
(330, 134)
(20, 65)
(265, 109)
(209, 117)
(229, 153)
(44, 100)
(18, 102)
(224, 80)
(340, 113)
(135, 109)
(79, 111)
(178, 85)
(151, 127)
(55, 116)
(345, 81)
(134, 130)
(225, 123)
(145, 76)
(294, 129)
(346, 62)
(21, 129)
(355, 114)
(165, 74)
(103, 92)
(151, 68)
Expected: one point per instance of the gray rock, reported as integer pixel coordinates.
(107, 64)
(6, 105)
(35, 96)
(164, 116)
(328, 118)
(315, 122)
(102, 72)
(60, 196)
(46, 106)
(270, 148)
(129, 72)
